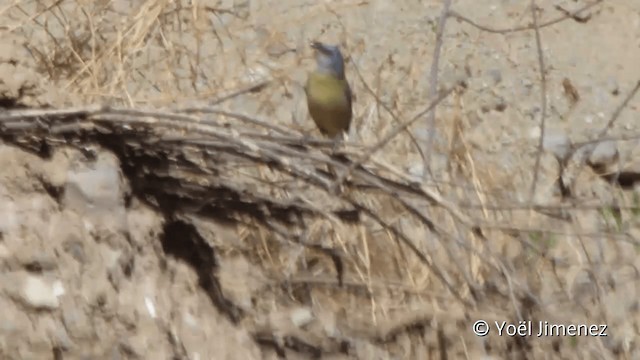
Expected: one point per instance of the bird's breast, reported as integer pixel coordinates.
(326, 90)
(329, 103)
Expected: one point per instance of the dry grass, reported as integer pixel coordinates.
(482, 234)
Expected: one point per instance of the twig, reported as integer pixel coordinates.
(543, 100)
(618, 111)
(248, 89)
(601, 136)
(433, 87)
(486, 28)
(393, 133)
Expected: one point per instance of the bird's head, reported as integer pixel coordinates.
(329, 59)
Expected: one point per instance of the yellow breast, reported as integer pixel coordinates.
(329, 103)
(327, 90)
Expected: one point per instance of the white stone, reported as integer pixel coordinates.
(301, 317)
(39, 293)
(151, 308)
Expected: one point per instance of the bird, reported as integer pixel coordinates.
(328, 93)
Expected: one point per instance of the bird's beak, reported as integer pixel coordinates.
(316, 45)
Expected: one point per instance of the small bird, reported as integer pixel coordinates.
(328, 92)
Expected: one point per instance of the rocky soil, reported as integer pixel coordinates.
(90, 271)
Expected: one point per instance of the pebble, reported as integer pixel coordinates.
(40, 293)
(557, 143)
(76, 249)
(604, 153)
(301, 317)
(94, 186)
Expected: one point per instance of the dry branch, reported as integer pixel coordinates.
(186, 162)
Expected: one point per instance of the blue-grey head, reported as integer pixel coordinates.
(329, 59)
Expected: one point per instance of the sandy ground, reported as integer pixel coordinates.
(89, 271)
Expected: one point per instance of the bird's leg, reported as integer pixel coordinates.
(337, 141)
(334, 148)
(336, 144)
(305, 139)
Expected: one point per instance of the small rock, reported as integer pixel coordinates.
(96, 185)
(604, 153)
(76, 249)
(40, 293)
(557, 143)
(151, 308)
(301, 316)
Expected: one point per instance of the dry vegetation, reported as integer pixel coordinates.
(237, 233)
